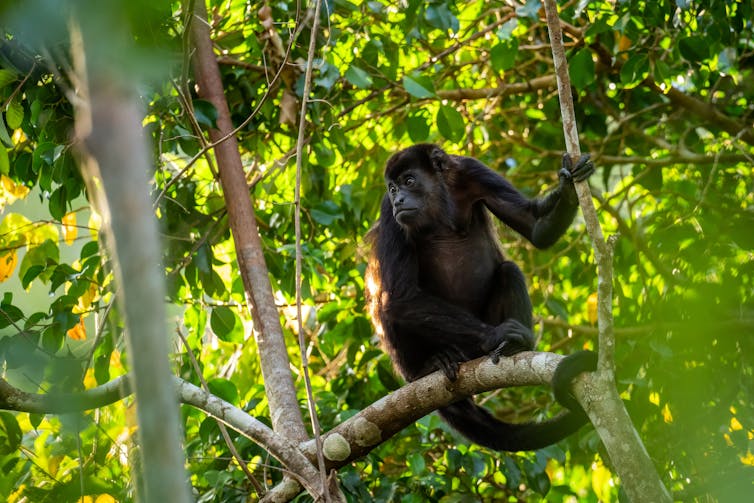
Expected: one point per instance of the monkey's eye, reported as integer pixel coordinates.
(392, 189)
(409, 181)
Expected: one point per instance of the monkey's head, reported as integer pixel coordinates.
(417, 187)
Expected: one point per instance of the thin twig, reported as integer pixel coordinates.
(297, 223)
(223, 429)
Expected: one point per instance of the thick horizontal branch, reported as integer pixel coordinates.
(361, 433)
(349, 440)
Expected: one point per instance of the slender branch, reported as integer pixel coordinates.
(535, 84)
(640, 480)
(12, 398)
(297, 224)
(281, 392)
(223, 430)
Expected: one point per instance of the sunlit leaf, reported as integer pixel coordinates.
(14, 114)
(78, 332)
(7, 264)
(70, 229)
(4, 162)
(591, 308)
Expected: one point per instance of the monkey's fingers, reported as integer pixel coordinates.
(584, 168)
(448, 365)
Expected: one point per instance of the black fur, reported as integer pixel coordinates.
(441, 292)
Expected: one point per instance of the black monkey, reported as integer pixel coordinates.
(440, 291)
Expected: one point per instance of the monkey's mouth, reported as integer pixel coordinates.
(404, 213)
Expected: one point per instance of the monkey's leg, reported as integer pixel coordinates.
(510, 310)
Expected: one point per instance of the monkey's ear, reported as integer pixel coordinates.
(440, 160)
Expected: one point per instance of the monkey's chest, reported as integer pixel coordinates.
(460, 273)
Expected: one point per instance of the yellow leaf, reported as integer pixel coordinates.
(667, 416)
(748, 459)
(10, 191)
(95, 222)
(624, 44)
(70, 230)
(7, 264)
(86, 299)
(601, 481)
(591, 308)
(78, 332)
(735, 424)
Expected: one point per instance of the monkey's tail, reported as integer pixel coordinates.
(481, 427)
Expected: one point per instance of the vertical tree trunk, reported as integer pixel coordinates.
(281, 393)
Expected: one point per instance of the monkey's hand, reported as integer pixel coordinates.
(448, 361)
(569, 174)
(513, 337)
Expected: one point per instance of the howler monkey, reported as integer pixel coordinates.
(441, 292)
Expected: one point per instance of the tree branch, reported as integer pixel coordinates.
(604, 406)
(361, 433)
(281, 393)
(349, 440)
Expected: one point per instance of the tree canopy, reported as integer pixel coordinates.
(663, 96)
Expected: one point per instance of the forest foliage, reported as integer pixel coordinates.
(663, 93)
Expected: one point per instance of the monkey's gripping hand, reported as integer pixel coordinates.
(512, 337)
(569, 174)
(449, 361)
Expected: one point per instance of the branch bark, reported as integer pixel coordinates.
(349, 440)
(600, 396)
(281, 393)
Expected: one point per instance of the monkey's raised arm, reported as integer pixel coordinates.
(543, 220)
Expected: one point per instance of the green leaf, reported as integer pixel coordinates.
(503, 55)
(10, 433)
(581, 69)
(358, 77)
(326, 214)
(52, 338)
(450, 123)
(224, 389)
(530, 9)
(416, 463)
(36, 419)
(662, 72)
(59, 203)
(441, 18)
(418, 87)
(14, 115)
(634, 70)
(4, 161)
(46, 255)
(418, 127)
(4, 136)
(6, 77)
(225, 324)
(694, 48)
(327, 75)
(205, 113)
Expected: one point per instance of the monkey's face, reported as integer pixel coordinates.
(414, 195)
